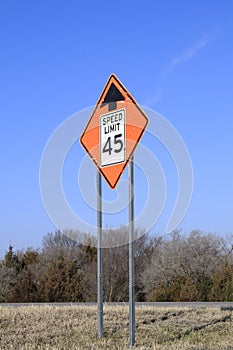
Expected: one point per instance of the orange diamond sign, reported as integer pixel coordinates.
(114, 130)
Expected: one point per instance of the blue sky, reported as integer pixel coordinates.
(173, 56)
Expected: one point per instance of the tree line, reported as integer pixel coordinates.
(181, 267)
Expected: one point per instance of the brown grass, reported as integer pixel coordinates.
(75, 327)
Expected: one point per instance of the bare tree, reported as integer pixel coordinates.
(190, 259)
(116, 260)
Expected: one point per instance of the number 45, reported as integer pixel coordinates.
(116, 142)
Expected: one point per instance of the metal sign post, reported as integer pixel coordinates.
(131, 255)
(99, 258)
(110, 138)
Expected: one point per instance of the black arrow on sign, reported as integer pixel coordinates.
(113, 95)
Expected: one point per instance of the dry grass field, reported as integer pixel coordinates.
(74, 327)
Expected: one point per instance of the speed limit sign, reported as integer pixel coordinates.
(112, 138)
(114, 130)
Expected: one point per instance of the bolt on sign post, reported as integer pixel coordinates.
(110, 139)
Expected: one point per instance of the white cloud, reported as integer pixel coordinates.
(188, 54)
(184, 57)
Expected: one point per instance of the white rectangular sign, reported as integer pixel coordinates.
(112, 138)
